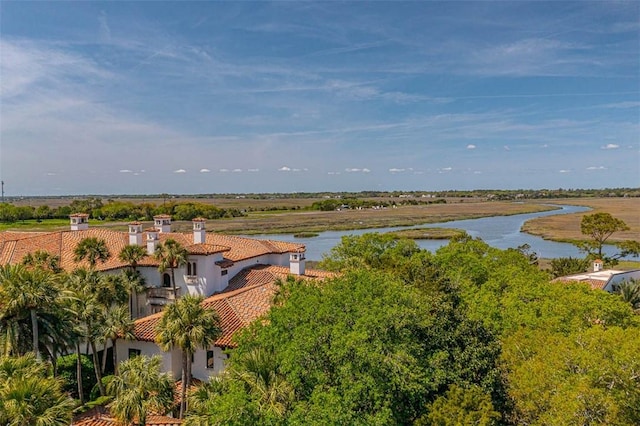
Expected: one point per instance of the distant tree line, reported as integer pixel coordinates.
(115, 210)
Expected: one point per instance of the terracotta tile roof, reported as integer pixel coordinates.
(177, 389)
(15, 245)
(247, 298)
(593, 283)
(203, 248)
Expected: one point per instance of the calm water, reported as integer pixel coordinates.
(498, 231)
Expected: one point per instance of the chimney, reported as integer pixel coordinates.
(199, 232)
(162, 222)
(297, 263)
(597, 265)
(152, 241)
(79, 221)
(135, 234)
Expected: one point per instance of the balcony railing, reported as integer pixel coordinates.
(191, 279)
(165, 293)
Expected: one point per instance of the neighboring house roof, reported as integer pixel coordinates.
(247, 298)
(15, 245)
(596, 280)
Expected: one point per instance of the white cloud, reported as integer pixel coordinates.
(564, 171)
(394, 170)
(365, 170)
(446, 169)
(253, 170)
(237, 170)
(126, 171)
(610, 146)
(356, 170)
(284, 169)
(471, 146)
(506, 148)
(224, 170)
(333, 173)
(596, 168)
(205, 171)
(180, 171)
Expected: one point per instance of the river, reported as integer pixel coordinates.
(498, 231)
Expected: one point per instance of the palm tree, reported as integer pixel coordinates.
(117, 324)
(132, 254)
(139, 389)
(257, 370)
(630, 293)
(30, 396)
(23, 290)
(187, 325)
(41, 259)
(87, 311)
(93, 250)
(171, 255)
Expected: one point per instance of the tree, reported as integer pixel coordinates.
(30, 396)
(132, 254)
(140, 389)
(117, 324)
(171, 255)
(460, 406)
(26, 291)
(629, 291)
(41, 259)
(87, 311)
(358, 349)
(188, 326)
(563, 266)
(599, 227)
(92, 249)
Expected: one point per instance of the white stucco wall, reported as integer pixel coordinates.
(199, 368)
(171, 361)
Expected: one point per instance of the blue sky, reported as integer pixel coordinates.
(210, 97)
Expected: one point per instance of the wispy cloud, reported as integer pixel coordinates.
(205, 171)
(610, 146)
(180, 171)
(284, 169)
(471, 146)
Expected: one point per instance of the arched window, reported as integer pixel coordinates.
(191, 269)
(166, 280)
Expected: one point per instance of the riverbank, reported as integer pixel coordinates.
(428, 233)
(566, 228)
(346, 220)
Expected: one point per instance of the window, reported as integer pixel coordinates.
(166, 280)
(134, 353)
(224, 272)
(191, 268)
(210, 360)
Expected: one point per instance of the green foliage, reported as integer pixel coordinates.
(563, 266)
(371, 250)
(95, 391)
(460, 407)
(587, 377)
(139, 390)
(363, 343)
(599, 227)
(68, 374)
(29, 395)
(92, 249)
(188, 326)
(629, 291)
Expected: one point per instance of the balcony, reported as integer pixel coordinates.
(162, 295)
(191, 279)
